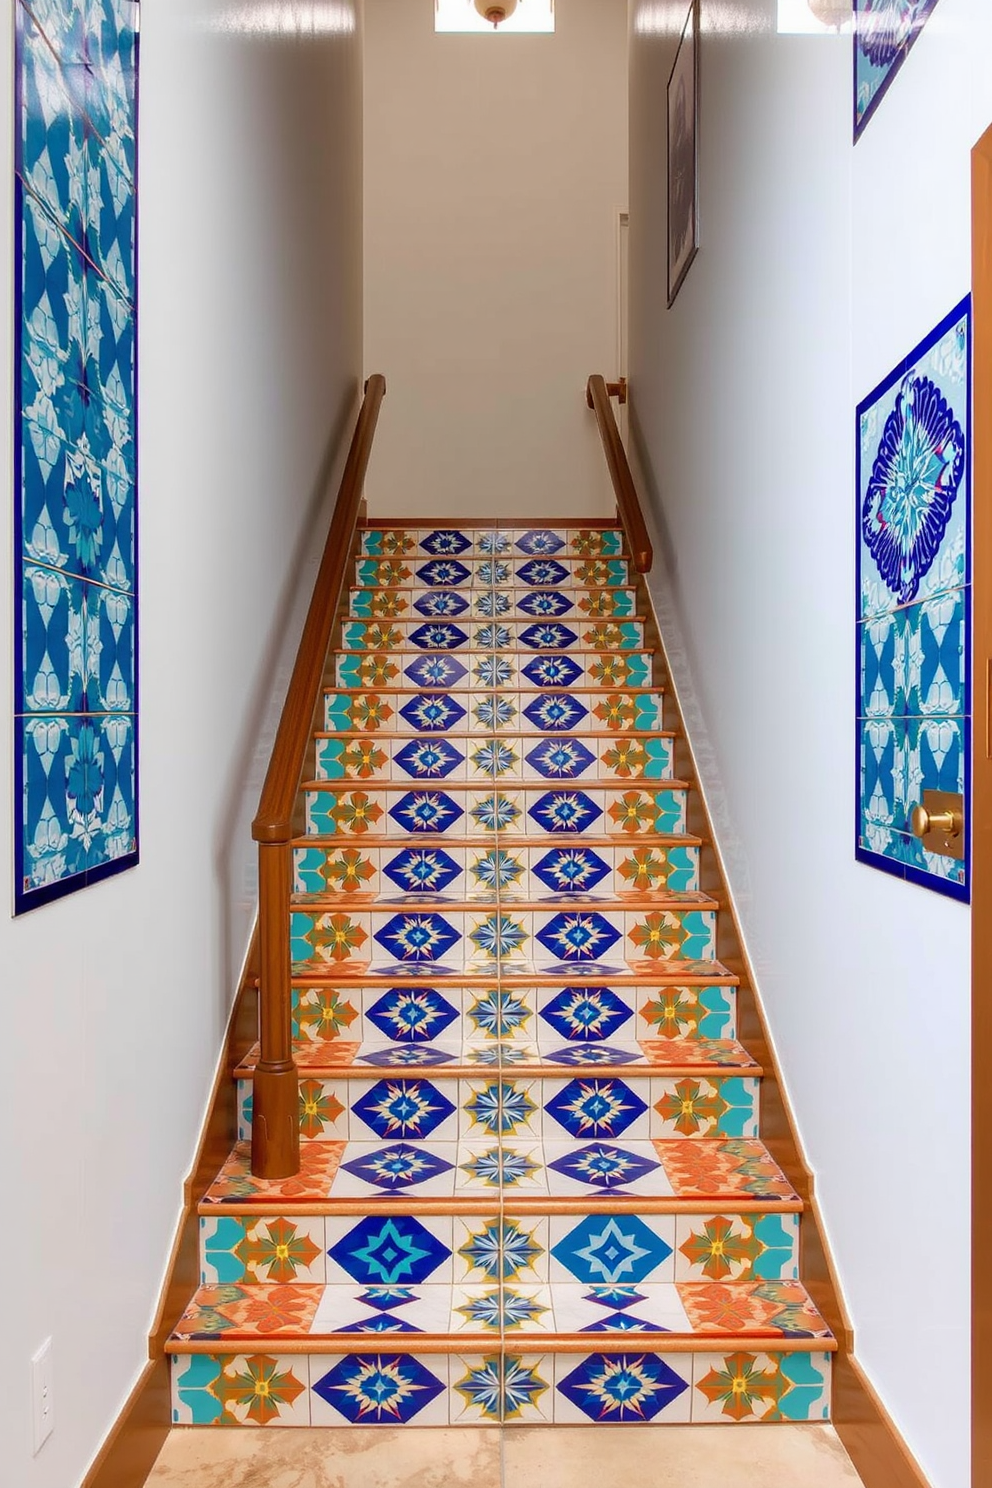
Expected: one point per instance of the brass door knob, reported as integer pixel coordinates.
(923, 821)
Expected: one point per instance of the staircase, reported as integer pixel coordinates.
(533, 1188)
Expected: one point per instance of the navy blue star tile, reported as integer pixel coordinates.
(540, 572)
(571, 870)
(560, 759)
(540, 540)
(425, 811)
(595, 1108)
(587, 1014)
(379, 1389)
(430, 711)
(428, 759)
(623, 1387)
(441, 602)
(623, 1322)
(385, 1298)
(446, 542)
(619, 1298)
(591, 1054)
(578, 935)
(438, 637)
(417, 937)
(608, 1250)
(565, 811)
(382, 1322)
(544, 602)
(555, 710)
(547, 637)
(412, 1014)
(410, 1109)
(422, 870)
(435, 671)
(399, 1166)
(602, 1166)
(416, 1055)
(552, 671)
(443, 573)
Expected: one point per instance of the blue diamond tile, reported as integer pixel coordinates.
(555, 710)
(623, 1387)
(384, 1323)
(441, 602)
(623, 1322)
(422, 870)
(540, 540)
(416, 1055)
(565, 811)
(425, 811)
(588, 1107)
(611, 1250)
(619, 1298)
(548, 637)
(438, 637)
(552, 671)
(389, 1252)
(379, 1389)
(417, 937)
(546, 602)
(428, 759)
(412, 1014)
(586, 1013)
(571, 870)
(578, 935)
(560, 759)
(407, 1109)
(591, 1054)
(432, 710)
(385, 1298)
(603, 1166)
(446, 542)
(397, 1167)
(435, 671)
(541, 572)
(443, 573)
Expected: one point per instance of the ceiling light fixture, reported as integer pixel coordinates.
(831, 12)
(495, 14)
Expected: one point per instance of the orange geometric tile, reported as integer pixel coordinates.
(700, 1051)
(700, 1168)
(234, 1184)
(781, 1308)
(260, 1310)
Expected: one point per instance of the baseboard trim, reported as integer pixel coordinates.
(138, 1435)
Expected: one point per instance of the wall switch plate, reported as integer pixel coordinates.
(42, 1395)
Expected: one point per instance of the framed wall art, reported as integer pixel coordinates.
(913, 618)
(75, 455)
(884, 32)
(683, 155)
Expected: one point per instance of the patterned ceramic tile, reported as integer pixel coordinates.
(622, 1388)
(739, 1387)
(884, 32)
(265, 1249)
(240, 1390)
(508, 1387)
(737, 1247)
(386, 1389)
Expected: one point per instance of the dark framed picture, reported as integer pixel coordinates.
(683, 154)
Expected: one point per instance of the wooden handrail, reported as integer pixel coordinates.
(598, 393)
(275, 1129)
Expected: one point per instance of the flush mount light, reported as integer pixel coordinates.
(493, 13)
(494, 17)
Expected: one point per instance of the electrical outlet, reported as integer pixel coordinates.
(42, 1395)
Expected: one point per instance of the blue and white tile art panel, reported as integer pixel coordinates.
(914, 602)
(75, 447)
(884, 31)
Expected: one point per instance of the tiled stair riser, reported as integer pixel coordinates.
(401, 1249)
(587, 1106)
(440, 672)
(559, 711)
(519, 543)
(491, 637)
(335, 1022)
(490, 604)
(458, 759)
(460, 812)
(521, 1387)
(495, 575)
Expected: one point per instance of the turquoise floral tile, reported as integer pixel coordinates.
(261, 1389)
(736, 1247)
(730, 1388)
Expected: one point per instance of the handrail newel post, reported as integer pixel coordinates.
(275, 1124)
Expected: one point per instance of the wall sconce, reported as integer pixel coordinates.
(495, 13)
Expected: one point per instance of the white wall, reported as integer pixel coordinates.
(495, 167)
(116, 998)
(820, 267)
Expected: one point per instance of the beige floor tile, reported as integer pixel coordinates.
(538, 1457)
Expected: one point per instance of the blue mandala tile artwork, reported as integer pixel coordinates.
(379, 1389)
(494, 712)
(425, 811)
(496, 869)
(439, 602)
(392, 1251)
(495, 813)
(494, 672)
(396, 1167)
(417, 937)
(493, 638)
(498, 1014)
(552, 671)
(571, 870)
(542, 602)
(492, 574)
(540, 541)
(884, 32)
(914, 603)
(438, 637)
(436, 671)
(494, 759)
(578, 935)
(590, 1053)
(446, 542)
(501, 1108)
(422, 870)
(542, 572)
(586, 1014)
(75, 510)
(432, 711)
(555, 710)
(560, 759)
(547, 637)
(492, 604)
(443, 573)
(564, 811)
(602, 1166)
(410, 1109)
(428, 759)
(501, 1387)
(621, 1388)
(611, 1250)
(494, 542)
(590, 1107)
(503, 1249)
